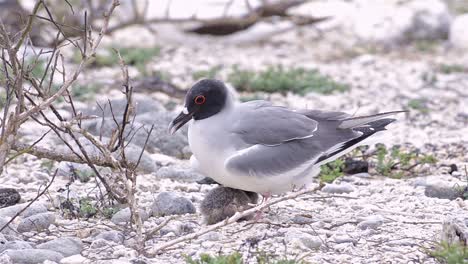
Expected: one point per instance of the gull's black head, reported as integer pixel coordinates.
(206, 98)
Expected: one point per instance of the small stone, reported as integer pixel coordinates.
(442, 192)
(5, 259)
(171, 204)
(124, 216)
(100, 243)
(67, 246)
(363, 175)
(459, 32)
(211, 236)
(75, 259)
(371, 222)
(11, 211)
(343, 239)
(33, 256)
(353, 166)
(302, 219)
(112, 235)
(14, 245)
(179, 174)
(338, 188)
(10, 229)
(36, 222)
(301, 239)
(9, 197)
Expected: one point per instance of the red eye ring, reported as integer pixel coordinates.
(199, 99)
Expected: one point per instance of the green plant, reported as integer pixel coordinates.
(108, 212)
(164, 75)
(236, 258)
(426, 46)
(210, 73)
(429, 78)
(233, 258)
(331, 171)
(47, 164)
(87, 209)
(451, 253)
(265, 258)
(278, 79)
(419, 105)
(85, 92)
(451, 68)
(395, 163)
(84, 175)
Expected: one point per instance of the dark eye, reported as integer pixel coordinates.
(200, 99)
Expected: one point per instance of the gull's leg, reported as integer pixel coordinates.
(265, 197)
(260, 214)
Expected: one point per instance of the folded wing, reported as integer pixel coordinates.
(278, 139)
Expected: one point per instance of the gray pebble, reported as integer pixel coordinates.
(112, 235)
(298, 238)
(100, 243)
(124, 216)
(11, 211)
(211, 236)
(36, 222)
(5, 259)
(338, 188)
(171, 204)
(14, 245)
(67, 246)
(371, 222)
(33, 256)
(343, 239)
(9, 197)
(179, 174)
(302, 220)
(10, 229)
(442, 192)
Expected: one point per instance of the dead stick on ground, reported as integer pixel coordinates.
(231, 220)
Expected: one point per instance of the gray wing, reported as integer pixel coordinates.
(265, 124)
(280, 140)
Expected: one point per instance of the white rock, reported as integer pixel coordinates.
(338, 188)
(300, 239)
(459, 32)
(75, 259)
(390, 25)
(343, 238)
(371, 222)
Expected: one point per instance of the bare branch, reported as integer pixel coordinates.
(66, 85)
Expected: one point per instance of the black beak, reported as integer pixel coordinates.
(179, 121)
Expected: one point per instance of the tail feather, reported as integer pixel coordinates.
(369, 129)
(358, 121)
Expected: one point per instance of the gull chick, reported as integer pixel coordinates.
(259, 147)
(223, 202)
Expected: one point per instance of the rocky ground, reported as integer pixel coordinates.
(359, 218)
